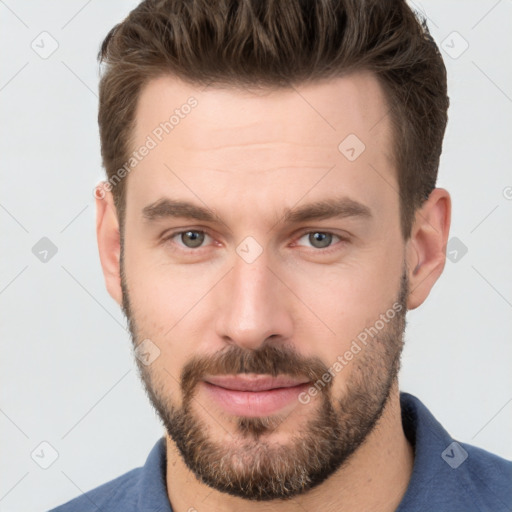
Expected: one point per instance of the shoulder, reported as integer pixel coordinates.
(450, 475)
(488, 478)
(117, 494)
(142, 487)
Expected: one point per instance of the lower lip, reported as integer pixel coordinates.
(254, 403)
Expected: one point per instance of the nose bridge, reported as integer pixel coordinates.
(253, 306)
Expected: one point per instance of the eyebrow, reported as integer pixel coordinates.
(325, 209)
(169, 208)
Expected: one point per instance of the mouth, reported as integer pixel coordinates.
(254, 395)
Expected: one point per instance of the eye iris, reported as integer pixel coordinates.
(320, 240)
(192, 238)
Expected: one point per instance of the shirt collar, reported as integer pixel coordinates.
(434, 450)
(152, 485)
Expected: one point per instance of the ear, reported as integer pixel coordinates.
(426, 248)
(109, 240)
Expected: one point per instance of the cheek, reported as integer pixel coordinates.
(171, 306)
(162, 292)
(154, 307)
(343, 300)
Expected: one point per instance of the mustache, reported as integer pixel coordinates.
(269, 359)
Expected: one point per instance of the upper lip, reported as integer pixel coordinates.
(254, 382)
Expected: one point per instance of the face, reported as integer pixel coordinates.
(262, 263)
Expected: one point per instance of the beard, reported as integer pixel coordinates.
(252, 466)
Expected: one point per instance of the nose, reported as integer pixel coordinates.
(254, 305)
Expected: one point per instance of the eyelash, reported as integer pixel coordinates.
(327, 250)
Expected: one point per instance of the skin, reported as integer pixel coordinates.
(247, 156)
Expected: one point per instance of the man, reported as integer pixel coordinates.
(270, 215)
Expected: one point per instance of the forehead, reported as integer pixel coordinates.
(249, 139)
(320, 112)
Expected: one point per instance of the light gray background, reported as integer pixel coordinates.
(68, 377)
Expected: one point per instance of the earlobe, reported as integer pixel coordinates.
(426, 248)
(109, 243)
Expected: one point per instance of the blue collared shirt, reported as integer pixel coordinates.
(447, 476)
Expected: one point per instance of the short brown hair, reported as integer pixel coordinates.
(279, 43)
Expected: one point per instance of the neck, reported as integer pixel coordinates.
(375, 477)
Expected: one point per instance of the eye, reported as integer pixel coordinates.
(190, 239)
(319, 239)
